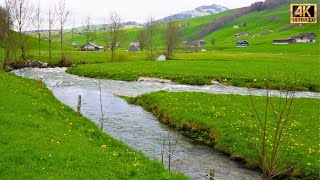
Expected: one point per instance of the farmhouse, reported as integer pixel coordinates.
(304, 38)
(91, 47)
(241, 35)
(242, 43)
(301, 38)
(283, 41)
(134, 47)
(199, 43)
(202, 43)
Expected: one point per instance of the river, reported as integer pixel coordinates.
(139, 128)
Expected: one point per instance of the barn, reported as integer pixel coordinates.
(283, 41)
(134, 47)
(304, 38)
(91, 47)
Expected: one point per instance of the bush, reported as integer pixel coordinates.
(65, 61)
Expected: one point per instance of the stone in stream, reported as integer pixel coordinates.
(157, 80)
(214, 82)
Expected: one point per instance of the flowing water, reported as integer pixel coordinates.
(140, 129)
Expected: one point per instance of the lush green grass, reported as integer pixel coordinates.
(238, 68)
(228, 122)
(41, 138)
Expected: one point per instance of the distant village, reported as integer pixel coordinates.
(199, 45)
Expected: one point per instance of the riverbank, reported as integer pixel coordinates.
(239, 71)
(227, 122)
(44, 139)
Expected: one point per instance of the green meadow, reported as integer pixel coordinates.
(229, 123)
(237, 69)
(43, 139)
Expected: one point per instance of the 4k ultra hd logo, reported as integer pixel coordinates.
(303, 13)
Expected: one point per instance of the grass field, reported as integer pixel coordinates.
(228, 122)
(239, 69)
(43, 139)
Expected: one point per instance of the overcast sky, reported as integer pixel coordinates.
(133, 10)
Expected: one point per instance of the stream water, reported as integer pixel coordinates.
(140, 129)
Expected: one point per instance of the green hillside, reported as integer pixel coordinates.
(264, 26)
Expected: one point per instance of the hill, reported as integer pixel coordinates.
(264, 26)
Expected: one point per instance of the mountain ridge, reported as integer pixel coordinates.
(197, 12)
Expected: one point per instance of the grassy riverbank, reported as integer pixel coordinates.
(237, 69)
(40, 138)
(228, 122)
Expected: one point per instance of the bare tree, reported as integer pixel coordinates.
(116, 34)
(142, 39)
(150, 28)
(39, 24)
(276, 125)
(105, 33)
(72, 31)
(50, 26)
(63, 15)
(88, 31)
(172, 37)
(23, 17)
(5, 32)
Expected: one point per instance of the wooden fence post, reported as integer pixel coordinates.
(40, 82)
(212, 174)
(79, 105)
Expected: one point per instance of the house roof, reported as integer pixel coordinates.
(92, 44)
(241, 41)
(133, 48)
(308, 35)
(282, 39)
(134, 44)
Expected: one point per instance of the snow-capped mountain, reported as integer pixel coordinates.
(200, 11)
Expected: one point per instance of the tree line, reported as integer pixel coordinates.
(19, 17)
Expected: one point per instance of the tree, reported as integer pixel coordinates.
(213, 41)
(50, 26)
(276, 123)
(5, 32)
(149, 28)
(142, 38)
(73, 31)
(172, 38)
(39, 23)
(116, 33)
(105, 34)
(63, 15)
(88, 31)
(244, 24)
(23, 17)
